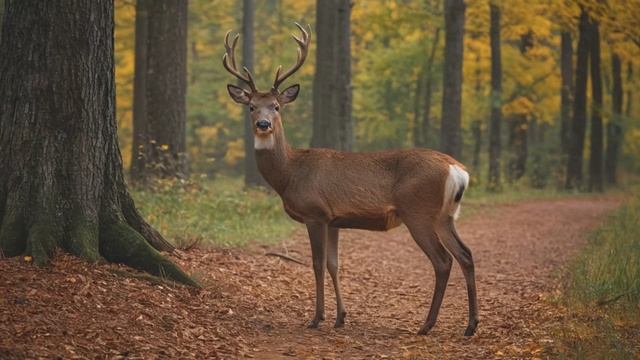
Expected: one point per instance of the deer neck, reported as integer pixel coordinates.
(272, 156)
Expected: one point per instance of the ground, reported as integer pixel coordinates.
(257, 306)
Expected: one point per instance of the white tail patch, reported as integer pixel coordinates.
(264, 142)
(458, 179)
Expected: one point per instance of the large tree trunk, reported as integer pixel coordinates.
(140, 130)
(518, 145)
(496, 100)
(595, 158)
(332, 99)
(165, 91)
(566, 63)
(417, 106)
(579, 121)
(251, 175)
(450, 135)
(614, 127)
(428, 89)
(62, 184)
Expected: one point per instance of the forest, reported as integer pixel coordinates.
(152, 207)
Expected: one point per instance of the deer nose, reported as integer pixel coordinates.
(263, 124)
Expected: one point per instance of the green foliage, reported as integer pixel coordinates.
(218, 212)
(602, 294)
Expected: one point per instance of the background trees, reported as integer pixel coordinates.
(397, 57)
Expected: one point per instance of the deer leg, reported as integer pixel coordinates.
(318, 239)
(333, 268)
(463, 256)
(427, 239)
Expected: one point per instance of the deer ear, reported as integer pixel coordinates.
(289, 94)
(238, 94)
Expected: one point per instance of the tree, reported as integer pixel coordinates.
(579, 120)
(566, 65)
(140, 131)
(428, 88)
(595, 158)
(164, 153)
(451, 137)
(62, 184)
(614, 127)
(332, 99)
(496, 99)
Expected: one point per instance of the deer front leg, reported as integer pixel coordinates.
(318, 239)
(333, 267)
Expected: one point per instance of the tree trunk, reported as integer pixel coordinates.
(476, 124)
(62, 184)
(140, 130)
(628, 109)
(595, 158)
(579, 121)
(518, 144)
(566, 62)
(614, 127)
(165, 91)
(496, 100)
(332, 99)
(417, 105)
(251, 175)
(428, 88)
(451, 137)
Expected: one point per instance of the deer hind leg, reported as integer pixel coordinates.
(318, 239)
(333, 268)
(424, 234)
(462, 254)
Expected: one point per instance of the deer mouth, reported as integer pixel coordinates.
(264, 131)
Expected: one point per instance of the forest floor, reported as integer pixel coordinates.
(257, 306)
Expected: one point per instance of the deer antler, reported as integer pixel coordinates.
(229, 62)
(303, 50)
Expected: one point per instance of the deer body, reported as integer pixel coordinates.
(328, 190)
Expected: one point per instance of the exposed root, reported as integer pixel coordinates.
(136, 221)
(286, 257)
(82, 239)
(122, 244)
(12, 234)
(43, 238)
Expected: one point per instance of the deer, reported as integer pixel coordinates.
(329, 190)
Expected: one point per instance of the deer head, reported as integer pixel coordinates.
(264, 106)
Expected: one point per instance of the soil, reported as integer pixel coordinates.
(257, 306)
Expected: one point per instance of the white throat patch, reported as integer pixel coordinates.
(264, 142)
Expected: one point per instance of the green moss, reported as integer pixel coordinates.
(44, 236)
(121, 244)
(82, 239)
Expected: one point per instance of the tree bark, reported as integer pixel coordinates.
(451, 137)
(62, 184)
(165, 92)
(628, 109)
(251, 174)
(332, 95)
(428, 89)
(417, 105)
(140, 130)
(518, 145)
(495, 123)
(579, 120)
(614, 127)
(566, 63)
(595, 158)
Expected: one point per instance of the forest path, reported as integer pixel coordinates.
(257, 306)
(387, 283)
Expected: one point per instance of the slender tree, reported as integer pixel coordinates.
(450, 135)
(579, 119)
(428, 88)
(62, 184)
(496, 99)
(140, 131)
(165, 86)
(628, 108)
(251, 175)
(614, 127)
(595, 158)
(566, 65)
(332, 99)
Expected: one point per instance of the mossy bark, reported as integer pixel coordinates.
(61, 184)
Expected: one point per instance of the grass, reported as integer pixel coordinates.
(602, 291)
(220, 212)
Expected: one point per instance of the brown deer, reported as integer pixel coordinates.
(328, 190)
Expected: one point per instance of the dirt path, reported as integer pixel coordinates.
(257, 306)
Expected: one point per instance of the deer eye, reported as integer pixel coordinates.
(277, 108)
(251, 108)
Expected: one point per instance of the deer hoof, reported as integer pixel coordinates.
(424, 330)
(313, 324)
(471, 329)
(340, 320)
